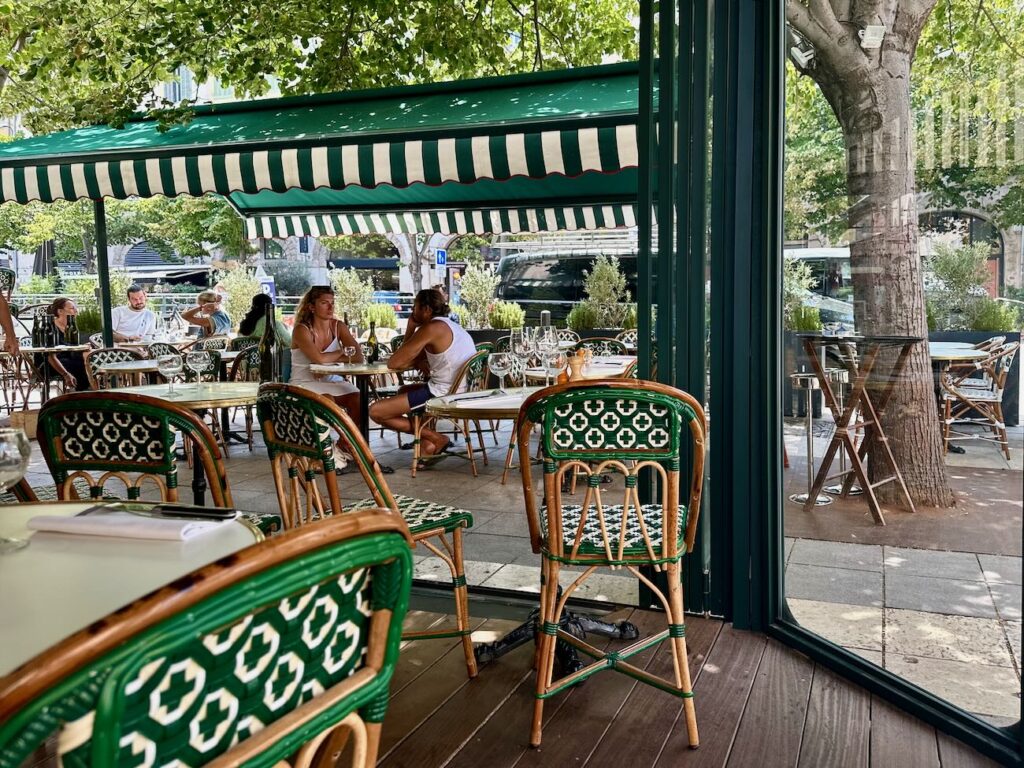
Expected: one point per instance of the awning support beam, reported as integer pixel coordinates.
(103, 271)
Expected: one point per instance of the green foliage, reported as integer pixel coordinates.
(959, 274)
(291, 278)
(797, 281)
(381, 314)
(73, 62)
(606, 290)
(476, 292)
(805, 319)
(240, 285)
(629, 321)
(360, 246)
(119, 282)
(467, 249)
(35, 284)
(990, 315)
(459, 313)
(352, 294)
(88, 321)
(582, 317)
(506, 314)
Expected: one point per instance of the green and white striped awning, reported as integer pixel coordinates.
(291, 156)
(493, 221)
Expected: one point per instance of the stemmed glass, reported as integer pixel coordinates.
(521, 345)
(554, 364)
(198, 361)
(169, 366)
(349, 353)
(498, 363)
(15, 450)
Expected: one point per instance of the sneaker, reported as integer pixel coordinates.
(342, 460)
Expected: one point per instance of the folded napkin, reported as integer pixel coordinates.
(125, 525)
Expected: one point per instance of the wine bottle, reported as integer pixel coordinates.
(37, 329)
(49, 332)
(371, 342)
(71, 333)
(270, 368)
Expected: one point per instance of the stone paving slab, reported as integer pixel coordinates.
(963, 566)
(977, 688)
(1007, 598)
(833, 585)
(955, 638)
(852, 626)
(836, 554)
(999, 569)
(949, 596)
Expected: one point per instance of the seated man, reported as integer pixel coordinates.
(439, 347)
(134, 321)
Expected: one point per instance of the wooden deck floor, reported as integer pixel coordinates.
(758, 704)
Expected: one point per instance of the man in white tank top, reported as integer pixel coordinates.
(439, 347)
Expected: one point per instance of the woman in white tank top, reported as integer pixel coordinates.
(319, 337)
(438, 345)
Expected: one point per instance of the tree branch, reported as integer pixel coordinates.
(999, 33)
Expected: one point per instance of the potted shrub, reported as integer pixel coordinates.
(797, 317)
(505, 315)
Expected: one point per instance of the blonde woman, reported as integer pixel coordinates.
(319, 337)
(208, 315)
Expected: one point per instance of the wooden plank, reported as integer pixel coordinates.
(838, 728)
(573, 730)
(899, 739)
(504, 738)
(955, 754)
(432, 686)
(443, 733)
(720, 695)
(417, 656)
(773, 721)
(649, 714)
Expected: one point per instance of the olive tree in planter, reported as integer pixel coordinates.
(607, 308)
(797, 282)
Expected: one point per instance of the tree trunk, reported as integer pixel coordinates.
(873, 107)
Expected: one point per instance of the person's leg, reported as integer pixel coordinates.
(391, 413)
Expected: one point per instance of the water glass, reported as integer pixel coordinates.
(198, 362)
(499, 365)
(349, 353)
(169, 366)
(15, 451)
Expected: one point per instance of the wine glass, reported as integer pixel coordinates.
(349, 352)
(15, 450)
(522, 346)
(554, 364)
(498, 363)
(197, 361)
(169, 366)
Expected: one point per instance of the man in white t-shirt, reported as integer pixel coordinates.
(133, 322)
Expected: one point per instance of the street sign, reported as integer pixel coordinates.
(440, 257)
(267, 286)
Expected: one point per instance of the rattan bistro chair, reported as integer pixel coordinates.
(600, 427)
(263, 658)
(603, 346)
(99, 437)
(970, 400)
(95, 358)
(298, 427)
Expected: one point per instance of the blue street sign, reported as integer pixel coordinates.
(440, 257)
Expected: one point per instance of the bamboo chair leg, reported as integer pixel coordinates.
(416, 427)
(372, 744)
(508, 457)
(1003, 438)
(464, 426)
(480, 441)
(546, 645)
(462, 601)
(947, 418)
(676, 616)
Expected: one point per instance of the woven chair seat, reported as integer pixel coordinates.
(421, 515)
(593, 540)
(978, 394)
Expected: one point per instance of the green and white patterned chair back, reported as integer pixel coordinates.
(239, 343)
(8, 277)
(396, 342)
(246, 366)
(503, 344)
(219, 343)
(96, 358)
(161, 348)
(474, 371)
(298, 429)
(615, 427)
(603, 346)
(628, 337)
(124, 440)
(210, 372)
(278, 644)
(567, 334)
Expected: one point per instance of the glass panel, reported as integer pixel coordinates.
(902, 368)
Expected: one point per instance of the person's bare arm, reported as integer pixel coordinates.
(302, 339)
(69, 380)
(7, 323)
(193, 316)
(413, 349)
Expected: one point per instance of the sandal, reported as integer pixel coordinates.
(431, 459)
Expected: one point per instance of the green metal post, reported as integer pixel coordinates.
(103, 271)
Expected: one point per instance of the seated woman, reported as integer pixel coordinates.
(69, 366)
(319, 338)
(208, 315)
(253, 323)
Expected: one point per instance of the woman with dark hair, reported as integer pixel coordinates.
(69, 366)
(253, 324)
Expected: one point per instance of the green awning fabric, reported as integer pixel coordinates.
(551, 125)
(476, 221)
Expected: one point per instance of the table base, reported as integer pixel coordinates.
(819, 501)
(837, 490)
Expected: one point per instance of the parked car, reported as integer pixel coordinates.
(552, 281)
